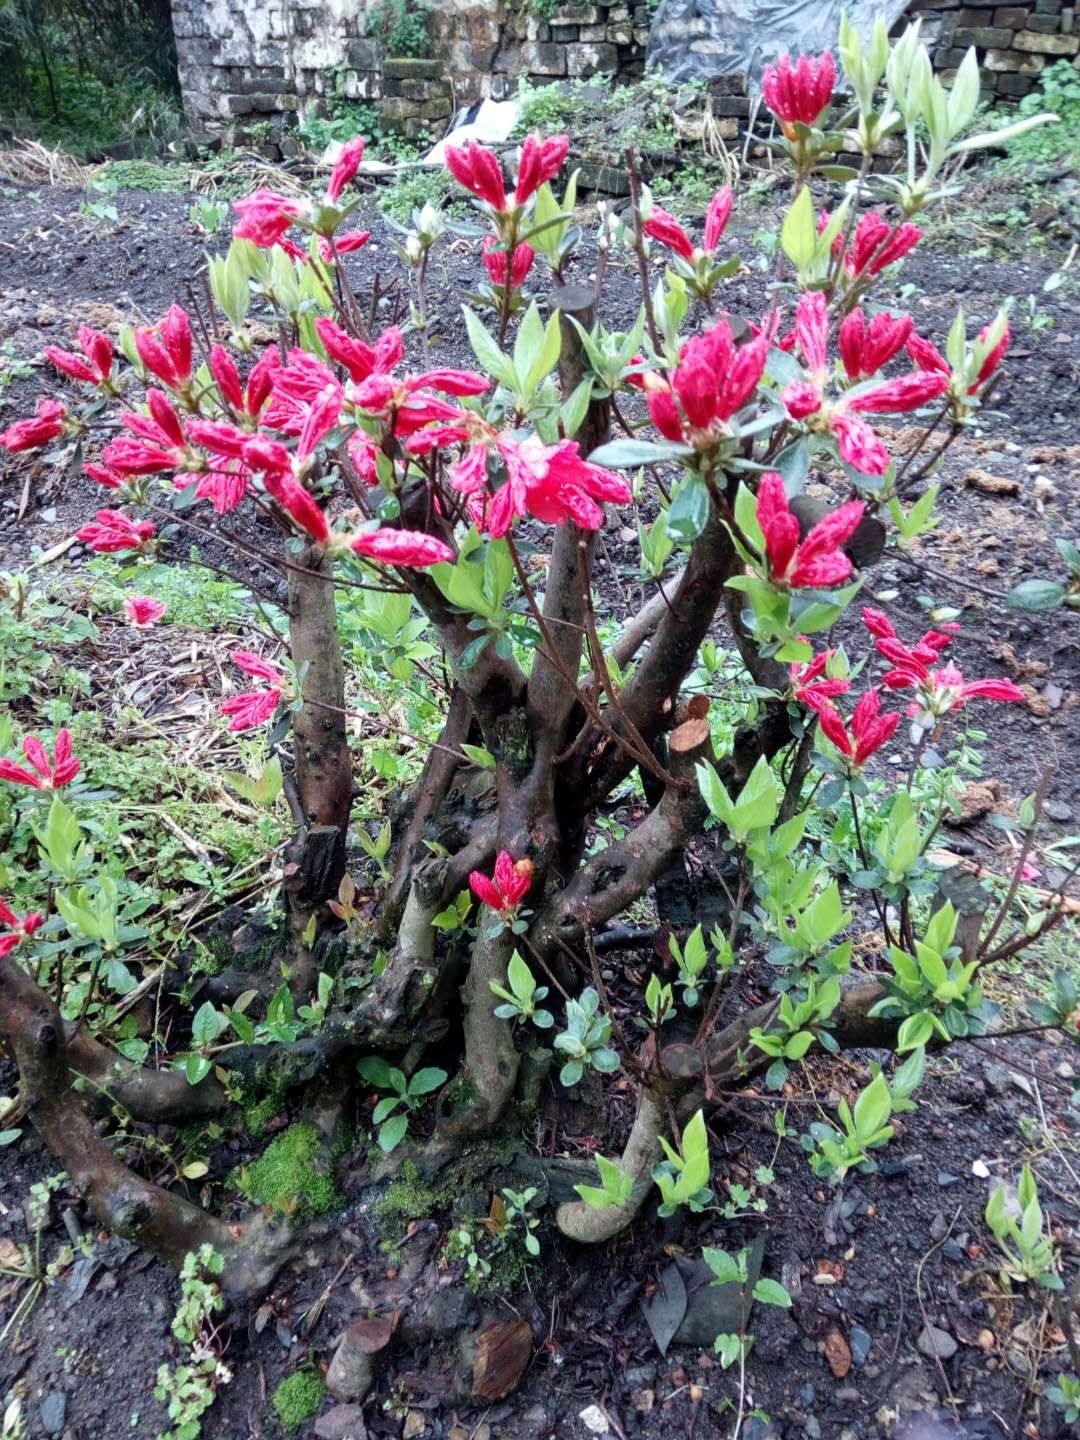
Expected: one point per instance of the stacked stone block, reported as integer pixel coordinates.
(1014, 42)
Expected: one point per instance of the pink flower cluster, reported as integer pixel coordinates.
(713, 381)
(16, 929)
(45, 774)
(818, 562)
(255, 707)
(941, 688)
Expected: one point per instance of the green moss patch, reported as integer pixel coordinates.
(291, 1175)
(298, 1397)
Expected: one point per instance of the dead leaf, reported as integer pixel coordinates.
(502, 1352)
(837, 1353)
(829, 1272)
(978, 479)
(11, 1257)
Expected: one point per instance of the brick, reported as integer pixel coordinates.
(1045, 24)
(589, 33)
(584, 60)
(409, 68)
(986, 37)
(566, 34)
(237, 104)
(1013, 60)
(621, 34)
(575, 15)
(1047, 7)
(1015, 85)
(1028, 40)
(363, 55)
(1012, 17)
(538, 58)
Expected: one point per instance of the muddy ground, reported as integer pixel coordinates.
(871, 1265)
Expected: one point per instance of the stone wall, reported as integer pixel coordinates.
(247, 66)
(1014, 42)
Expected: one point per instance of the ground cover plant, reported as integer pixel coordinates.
(448, 522)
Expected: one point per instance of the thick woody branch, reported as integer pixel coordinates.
(621, 872)
(649, 696)
(121, 1200)
(154, 1096)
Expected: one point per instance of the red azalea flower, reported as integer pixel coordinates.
(713, 381)
(870, 729)
(50, 775)
(942, 687)
(664, 227)
(550, 482)
(507, 888)
(101, 475)
(928, 358)
(866, 346)
(811, 686)
(142, 611)
(857, 442)
(495, 262)
(46, 424)
(96, 368)
(254, 707)
(112, 532)
(345, 168)
(478, 169)
(800, 92)
(402, 547)
(167, 352)
(716, 218)
(21, 928)
(877, 244)
(818, 561)
(541, 161)
(265, 216)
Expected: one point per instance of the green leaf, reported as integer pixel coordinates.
(627, 454)
(798, 235)
(487, 351)
(689, 512)
(427, 1080)
(393, 1132)
(196, 1068)
(1036, 595)
(376, 1071)
(872, 1108)
(521, 979)
(771, 1292)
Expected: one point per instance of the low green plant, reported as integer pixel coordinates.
(522, 1000)
(585, 1041)
(935, 994)
(1066, 1395)
(1021, 1234)
(208, 216)
(402, 27)
(866, 1127)
(190, 1389)
(408, 1093)
(683, 1176)
(517, 1215)
(616, 1187)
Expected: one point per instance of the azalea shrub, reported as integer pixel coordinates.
(466, 507)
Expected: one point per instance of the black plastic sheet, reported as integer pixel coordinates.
(698, 39)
